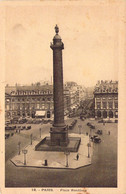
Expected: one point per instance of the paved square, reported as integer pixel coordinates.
(55, 159)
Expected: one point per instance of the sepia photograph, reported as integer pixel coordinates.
(61, 93)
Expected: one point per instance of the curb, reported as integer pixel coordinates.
(50, 167)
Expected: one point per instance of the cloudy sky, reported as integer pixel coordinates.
(89, 34)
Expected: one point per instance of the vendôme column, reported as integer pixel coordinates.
(59, 131)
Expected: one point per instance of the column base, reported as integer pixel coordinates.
(59, 136)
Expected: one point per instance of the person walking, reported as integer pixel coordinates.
(77, 157)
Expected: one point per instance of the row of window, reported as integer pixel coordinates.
(110, 98)
(104, 90)
(104, 114)
(28, 99)
(28, 106)
(104, 104)
(30, 92)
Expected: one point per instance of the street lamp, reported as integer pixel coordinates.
(89, 145)
(19, 143)
(67, 153)
(24, 152)
(79, 126)
(90, 135)
(31, 138)
(40, 132)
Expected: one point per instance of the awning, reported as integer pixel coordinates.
(40, 113)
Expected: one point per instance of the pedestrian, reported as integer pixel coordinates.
(108, 132)
(77, 157)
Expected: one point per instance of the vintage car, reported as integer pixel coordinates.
(28, 127)
(100, 121)
(96, 139)
(92, 126)
(7, 122)
(7, 135)
(88, 124)
(23, 127)
(8, 128)
(99, 132)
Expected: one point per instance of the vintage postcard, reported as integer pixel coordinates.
(62, 94)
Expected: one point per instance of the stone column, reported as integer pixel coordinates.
(58, 85)
(59, 131)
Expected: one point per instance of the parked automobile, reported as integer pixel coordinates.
(13, 127)
(7, 122)
(7, 135)
(96, 139)
(88, 124)
(8, 128)
(23, 127)
(72, 124)
(92, 137)
(28, 127)
(92, 126)
(99, 132)
(82, 117)
(101, 121)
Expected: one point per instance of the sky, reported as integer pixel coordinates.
(89, 34)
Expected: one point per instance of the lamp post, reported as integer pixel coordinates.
(31, 138)
(40, 132)
(19, 143)
(88, 145)
(24, 152)
(79, 126)
(67, 153)
(90, 136)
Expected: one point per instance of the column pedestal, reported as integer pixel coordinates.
(59, 136)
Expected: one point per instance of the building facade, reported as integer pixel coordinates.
(28, 101)
(36, 99)
(106, 100)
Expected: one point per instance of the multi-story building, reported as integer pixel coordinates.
(29, 101)
(106, 99)
(36, 100)
(73, 89)
(89, 93)
(81, 93)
